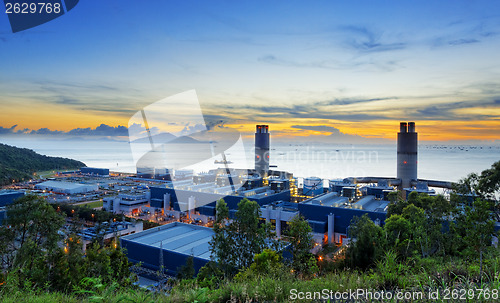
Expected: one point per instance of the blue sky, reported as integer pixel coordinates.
(354, 66)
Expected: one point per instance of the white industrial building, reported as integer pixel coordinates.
(66, 187)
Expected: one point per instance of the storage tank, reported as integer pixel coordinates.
(116, 205)
(166, 202)
(313, 186)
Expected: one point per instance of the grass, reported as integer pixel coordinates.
(93, 204)
(419, 275)
(46, 174)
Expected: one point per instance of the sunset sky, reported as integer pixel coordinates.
(305, 67)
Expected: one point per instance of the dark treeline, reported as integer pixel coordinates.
(19, 164)
(87, 213)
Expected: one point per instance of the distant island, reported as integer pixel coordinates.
(168, 138)
(20, 163)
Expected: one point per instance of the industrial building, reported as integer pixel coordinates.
(169, 246)
(128, 203)
(109, 230)
(69, 188)
(9, 196)
(93, 171)
(204, 202)
(330, 215)
(328, 205)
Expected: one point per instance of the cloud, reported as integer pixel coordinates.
(462, 32)
(365, 40)
(118, 98)
(46, 131)
(101, 130)
(448, 111)
(335, 135)
(215, 124)
(462, 41)
(272, 59)
(9, 130)
(322, 109)
(380, 64)
(320, 128)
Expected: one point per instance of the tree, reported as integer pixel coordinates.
(367, 242)
(235, 244)
(186, 271)
(222, 242)
(266, 264)
(485, 185)
(210, 275)
(34, 252)
(221, 211)
(417, 220)
(478, 226)
(301, 242)
(396, 206)
(398, 231)
(31, 234)
(489, 182)
(249, 237)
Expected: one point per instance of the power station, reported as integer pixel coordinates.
(407, 154)
(262, 150)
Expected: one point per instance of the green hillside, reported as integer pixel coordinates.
(20, 163)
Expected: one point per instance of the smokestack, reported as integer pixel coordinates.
(262, 149)
(402, 127)
(407, 154)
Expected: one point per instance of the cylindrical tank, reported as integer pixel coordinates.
(313, 186)
(278, 221)
(191, 204)
(411, 127)
(407, 154)
(166, 202)
(331, 229)
(107, 204)
(267, 213)
(262, 149)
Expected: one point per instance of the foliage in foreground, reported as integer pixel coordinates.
(267, 282)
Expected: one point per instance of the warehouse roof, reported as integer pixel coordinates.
(10, 192)
(61, 184)
(182, 238)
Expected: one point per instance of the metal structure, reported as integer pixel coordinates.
(313, 186)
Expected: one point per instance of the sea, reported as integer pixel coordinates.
(327, 161)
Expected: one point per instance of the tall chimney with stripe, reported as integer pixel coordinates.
(262, 149)
(407, 154)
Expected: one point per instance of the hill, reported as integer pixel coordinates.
(20, 163)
